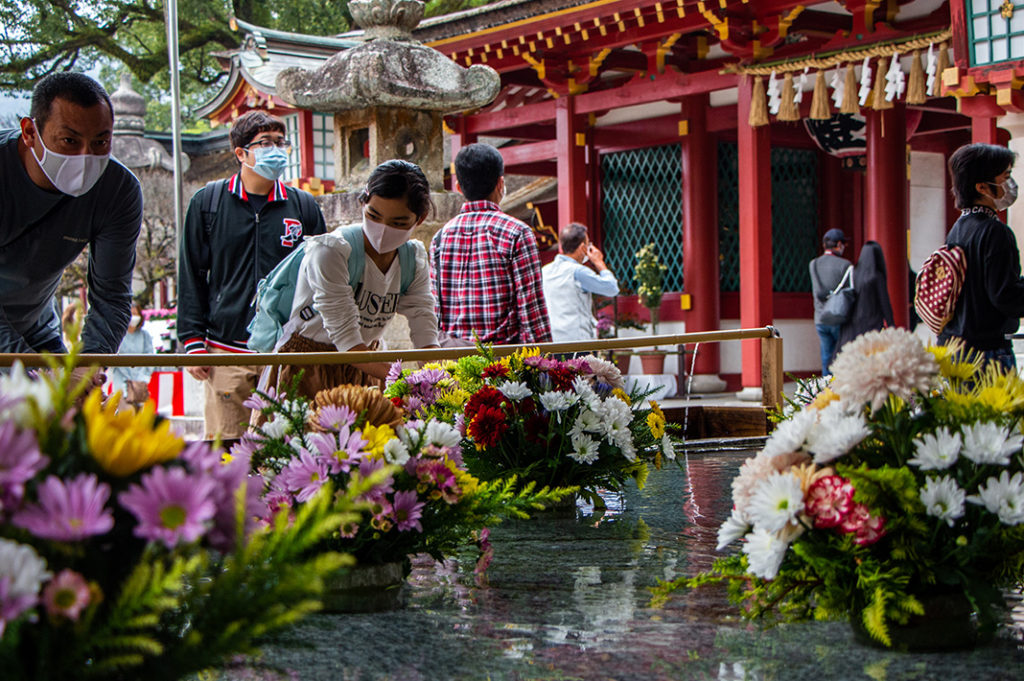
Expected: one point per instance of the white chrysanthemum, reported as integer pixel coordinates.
(756, 469)
(628, 450)
(836, 433)
(776, 502)
(441, 434)
(614, 416)
(989, 443)
(790, 436)
(877, 364)
(17, 383)
(557, 400)
(1003, 496)
(24, 568)
(936, 451)
(585, 449)
(581, 386)
(765, 552)
(943, 498)
(668, 448)
(276, 428)
(396, 452)
(734, 527)
(587, 422)
(515, 390)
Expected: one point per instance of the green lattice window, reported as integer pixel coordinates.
(994, 37)
(642, 201)
(794, 217)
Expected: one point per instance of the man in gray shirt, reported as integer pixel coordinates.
(826, 273)
(59, 192)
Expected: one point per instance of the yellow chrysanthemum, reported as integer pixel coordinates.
(376, 437)
(467, 482)
(656, 408)
(954, 364)
(656, 423)
(126, 442)
(823, 399)
(434, 365)
(622, 395)
(453, 399)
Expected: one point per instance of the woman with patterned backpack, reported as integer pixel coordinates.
(991, 300)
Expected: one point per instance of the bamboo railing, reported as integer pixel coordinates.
(771, 355)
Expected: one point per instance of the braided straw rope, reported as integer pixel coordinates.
(855, 54)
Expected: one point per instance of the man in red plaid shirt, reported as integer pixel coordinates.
(485, 270)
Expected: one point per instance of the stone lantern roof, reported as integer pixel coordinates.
(130, 146)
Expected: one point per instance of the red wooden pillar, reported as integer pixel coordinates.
(983, 111)
(886, 198)
(571, 137)
(700, 230)
(755, 184)
(307, 168)
(459, 138)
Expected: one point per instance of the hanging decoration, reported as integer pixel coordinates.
(841, 135)
(819, 100)
(774, 95)
(758, 107)
(788, 109)
(941, 66)
(915, 84)
(801, 85)
(850, 105)
(865, 83)
(932, 69)
(838, 87)
(895, 80)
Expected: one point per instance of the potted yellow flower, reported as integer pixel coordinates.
(648, 273)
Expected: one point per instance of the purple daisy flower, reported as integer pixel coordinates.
(367, 467)
(170, 505)
(201, 457)
(68, 512)
(244, 449)
(67, 595)
(407, 510)
(229, 477)
(20, 461)
(394, 372)
(334, 417)
(341, 450)
(258, 402)
(304, 475)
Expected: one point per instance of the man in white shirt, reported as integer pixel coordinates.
(569, 285)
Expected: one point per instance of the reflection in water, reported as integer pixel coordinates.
(567, 599)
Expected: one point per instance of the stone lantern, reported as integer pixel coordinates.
(388, 94)
(129, 145)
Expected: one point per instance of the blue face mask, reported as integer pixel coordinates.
(270, 162)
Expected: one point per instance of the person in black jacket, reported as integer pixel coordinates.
(991, 301)
(872, 309)
(236, 231)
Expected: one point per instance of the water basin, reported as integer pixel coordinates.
(566, 599)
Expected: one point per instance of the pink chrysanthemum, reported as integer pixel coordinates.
(436, 479)
(68, 512)
(605, 372)
(257, 402)
(334, 417)
(407, 510)
(305, 475)
(67, 595)
(340, 450)
(866, 528)
(201, 457)
(223, 536)
(369, 466)
(171, 506)
(20, 461)
(829, 500)
(877, 364)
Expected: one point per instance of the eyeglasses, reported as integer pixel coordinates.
(268, 143)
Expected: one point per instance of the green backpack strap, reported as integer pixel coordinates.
(357, 259)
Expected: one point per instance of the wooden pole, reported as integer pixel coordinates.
(771, 371)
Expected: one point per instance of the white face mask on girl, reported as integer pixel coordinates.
(73, 175)
(383, 238)
(134, 321)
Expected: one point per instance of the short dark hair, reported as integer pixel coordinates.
(72, 86)
(478, 167)
(398, 179)
(974, 163)
(571, 236)
(252, 123)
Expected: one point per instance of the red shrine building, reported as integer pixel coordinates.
(730, 133)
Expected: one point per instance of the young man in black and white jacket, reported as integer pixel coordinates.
(236, 231)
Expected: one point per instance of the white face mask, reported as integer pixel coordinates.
(73, 175)
(383, 238)
(134, 321)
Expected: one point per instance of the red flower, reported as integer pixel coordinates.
(397, 401)
(866, 528)
(487, 426)
(487, 396)
(495, 370)
(829, 500)
(561, 378)
(536, 427)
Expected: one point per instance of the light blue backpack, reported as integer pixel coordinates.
(276, 292)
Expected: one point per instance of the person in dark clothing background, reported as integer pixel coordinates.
(872, 310)
(827, 271)
(991, 301)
